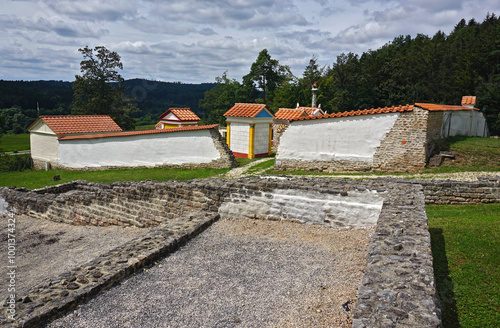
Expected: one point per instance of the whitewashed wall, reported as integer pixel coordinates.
(147, 149)
(261, 138)
(239, 139)
(44, 147)
(464, 123)
(353, 138)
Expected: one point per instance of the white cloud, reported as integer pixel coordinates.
(197, 40)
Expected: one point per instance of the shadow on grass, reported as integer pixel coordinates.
(444, 284)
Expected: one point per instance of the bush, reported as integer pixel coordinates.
(15, 162)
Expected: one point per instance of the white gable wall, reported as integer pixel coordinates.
(353, 138)
(44, 148)
(139, 150)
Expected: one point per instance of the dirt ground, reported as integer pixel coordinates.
(45, 249)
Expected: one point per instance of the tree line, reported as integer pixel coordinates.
(19, 99)
(438, 69)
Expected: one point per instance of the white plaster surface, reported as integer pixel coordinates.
(261, 138)
(239, 141)
(354, 138)
(358, 209)
(139, 150)
(464, 123)
(44, 147)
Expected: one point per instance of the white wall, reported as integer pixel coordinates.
(148, 149)
(261, 138)
(44, 147)
(239, 139)
(353, 138)
(460, 124)
(357, 209)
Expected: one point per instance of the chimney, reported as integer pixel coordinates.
(315, 94)
(468, 101)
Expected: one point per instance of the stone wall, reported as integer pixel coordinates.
(201, 148)
(404, 148)
(400, 243)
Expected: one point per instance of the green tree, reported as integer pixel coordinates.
(267, 75)
(221, 98)
(94, 92)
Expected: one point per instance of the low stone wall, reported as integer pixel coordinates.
(449, 192)
(398, 285)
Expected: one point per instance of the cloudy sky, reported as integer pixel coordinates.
(194, 41)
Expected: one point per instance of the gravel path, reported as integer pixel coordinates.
(46, 249)
(240, 273)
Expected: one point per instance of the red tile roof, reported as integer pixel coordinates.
(435, 107)
(380, 110)
(140, 132)
(245, 110)
(68, 124)
(468, 100)
(289, 114)
(158, 125)
(308, 110)
(183, 114)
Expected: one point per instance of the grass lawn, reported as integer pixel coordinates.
(471, 154)
(145, 127)
(15, 142)
(465, 246)
(32, 179)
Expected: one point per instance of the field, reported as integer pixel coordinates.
(465, 242)
(15, 142)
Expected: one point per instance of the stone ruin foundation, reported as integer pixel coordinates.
(397, 289)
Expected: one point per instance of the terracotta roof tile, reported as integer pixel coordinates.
(436, 107)
(183, 114)
(158, 125)
(245, 110)
(140, 132)
(289, 113)
(380, 110)
(68, 124)
(468, 100)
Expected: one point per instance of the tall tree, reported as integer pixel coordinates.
(93, 91)
(267, 75)
(221, 98)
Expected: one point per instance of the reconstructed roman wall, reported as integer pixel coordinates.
(389, 142)
(399, 250)
(181, 149)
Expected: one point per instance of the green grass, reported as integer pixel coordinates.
(266, 165)
(465, 246)
(15, 142)
(32, 179)
(145, 127)
(471, 154)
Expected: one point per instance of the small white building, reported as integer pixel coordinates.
(249, 130)
(97, 142)
(47, 129)
(177, 118)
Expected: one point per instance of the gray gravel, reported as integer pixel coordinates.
(45, 249)
(240, 273)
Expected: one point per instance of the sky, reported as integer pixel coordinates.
(195, 41)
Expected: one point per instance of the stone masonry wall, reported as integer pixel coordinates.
(404, 148)
(398, 285)
(225, 160)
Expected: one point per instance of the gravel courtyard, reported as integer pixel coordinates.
(46, 249)
(240, 273)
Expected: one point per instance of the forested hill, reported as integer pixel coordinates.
(19, 99)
